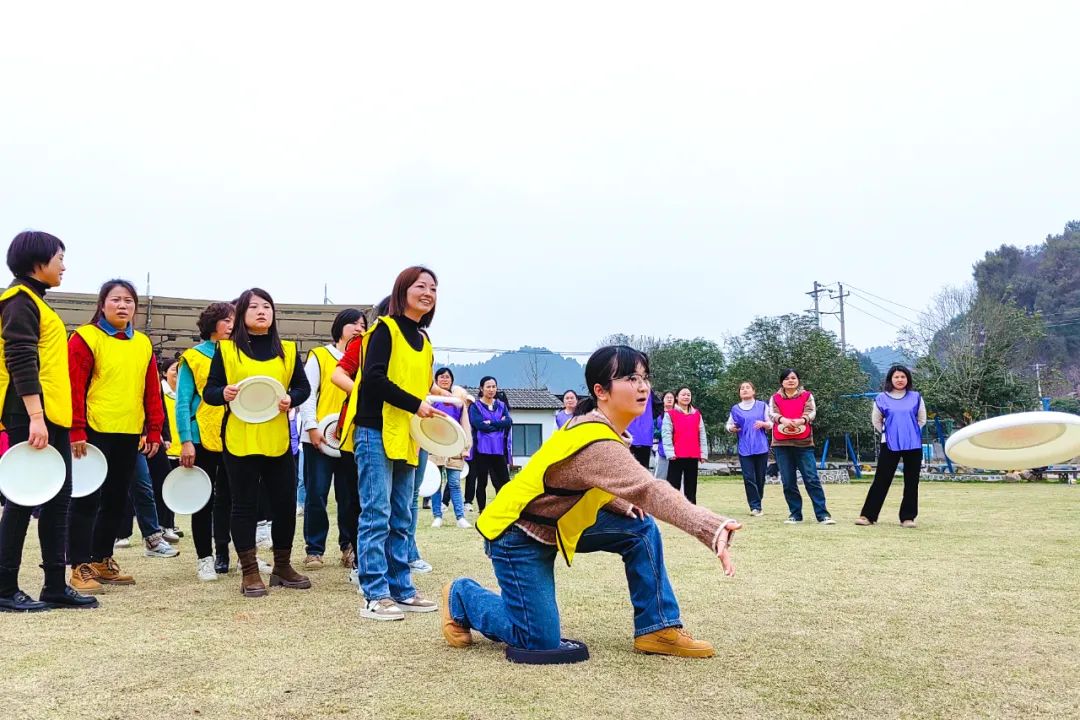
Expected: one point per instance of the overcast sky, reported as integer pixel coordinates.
(570, 170)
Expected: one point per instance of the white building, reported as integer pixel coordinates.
(533, 412)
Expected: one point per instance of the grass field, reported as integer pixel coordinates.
(974, 614)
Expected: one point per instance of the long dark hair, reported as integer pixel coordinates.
(887, 383)
(606, 364)
(107, 288)
(399, 295)
(240, 334)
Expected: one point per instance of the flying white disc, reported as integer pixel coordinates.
(1016, 442)
(332, 446)
(88, 472)
(30, 477)
(439, 435)
(432, 480)
(186, 490)
(257, 399)
(464, 468)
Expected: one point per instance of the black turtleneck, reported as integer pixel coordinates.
(20, 327)
(213, 393)
(375, 387)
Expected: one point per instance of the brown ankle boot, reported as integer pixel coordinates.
(283, 574)
(251, 584)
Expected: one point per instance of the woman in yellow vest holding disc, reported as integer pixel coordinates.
(115, 398)
(258, 453)
(583, 491)
(391, 383)
(35, 390)
(198, 435)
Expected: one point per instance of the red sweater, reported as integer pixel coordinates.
(81, 366)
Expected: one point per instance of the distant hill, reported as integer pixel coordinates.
(883, 356)
(527, 367)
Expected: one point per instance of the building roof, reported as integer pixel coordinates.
(527, 399)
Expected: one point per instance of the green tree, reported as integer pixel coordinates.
(1066, 404)
(769, 345)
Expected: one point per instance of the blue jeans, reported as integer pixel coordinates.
(787, 458)
(453, 480)
(526, 615)
(141, 497)
(318, 472)
(382, 542)
(301, 488)
(414, 551)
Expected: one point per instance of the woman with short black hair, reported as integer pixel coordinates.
(491, 426)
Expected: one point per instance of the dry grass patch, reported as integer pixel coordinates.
(974, 614)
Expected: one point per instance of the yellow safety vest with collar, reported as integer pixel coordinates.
(410, 370)
(270, 438)
(208, 417)
(114, 397)
(510, 503)
(170, 417)
(330, 395)
(52, 361)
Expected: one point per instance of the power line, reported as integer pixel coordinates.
(892, 302)
(520, 351)
(891, 312)
(879, 319)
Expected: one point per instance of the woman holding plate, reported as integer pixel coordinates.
(247, 371)
(452, 466)
(792, 411)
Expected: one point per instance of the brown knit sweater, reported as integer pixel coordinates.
(610, 466)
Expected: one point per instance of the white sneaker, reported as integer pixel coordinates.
(826, 521)
(468, 507)
(756, 513)
(463, 523)
(263, 539)
(417, 604)
(156, 546)
(385, 609)
(264, 567)
(445, 508)
(353, 578)
(792, 520)
(420, 566)
(122, 543)
(299, 510)
(437, 522)
(204, 569)
(170, 535)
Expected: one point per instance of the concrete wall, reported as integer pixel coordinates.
(544, 418)
(171, 322)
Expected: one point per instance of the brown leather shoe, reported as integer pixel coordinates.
(313, 562)
(83, 580)
(456, 635)
(251, 584)
(107, 572)
(863, 521)
(673, 641)
(348, 558)
(284, 575)
(907, 523)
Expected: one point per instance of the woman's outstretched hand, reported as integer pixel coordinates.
(723, 546)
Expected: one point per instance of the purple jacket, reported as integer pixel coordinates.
(641, 429)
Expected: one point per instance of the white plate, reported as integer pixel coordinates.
(432, 480)
(332, 446)
(186, 490)
(88, 472)
(439, 435)
(1016, 442)
(30, 477)
(257, 399)
(464, 468)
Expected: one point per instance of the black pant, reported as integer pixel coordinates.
(203, 522)
(346, 492)
(222, 506)
(469, 491)
(485, 465)
(246, 476)
(93, 520)
(52, 523)
(642, 453)
(886, 469)
(753, 476)
(682, 473)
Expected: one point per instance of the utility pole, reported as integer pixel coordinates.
(843, 328)
(818, 289)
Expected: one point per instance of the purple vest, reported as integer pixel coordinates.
(641, 429)
(491, 443)
(562, 417)
(901, 416)
(752, 441)
(454, 411)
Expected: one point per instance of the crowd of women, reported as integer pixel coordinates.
(587, 488)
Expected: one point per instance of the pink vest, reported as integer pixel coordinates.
(791, 408)
(684, 433)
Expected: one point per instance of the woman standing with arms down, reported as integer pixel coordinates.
(491, 424)
(685, 443)
(35, 389)
(569, 402)
(259, 454)
(792, 411)
(899, 415)
(749, 420)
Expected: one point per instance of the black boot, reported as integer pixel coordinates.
(21, 602)
(56, 593)
(221, 563)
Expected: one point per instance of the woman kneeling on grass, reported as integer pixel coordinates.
(583, 491)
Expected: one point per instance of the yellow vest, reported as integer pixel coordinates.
(527, 485)
(207, 417)
(411, 371)
(52, 361)
(170, 417)
(270, 438)
(330, 395)
(114, 398)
